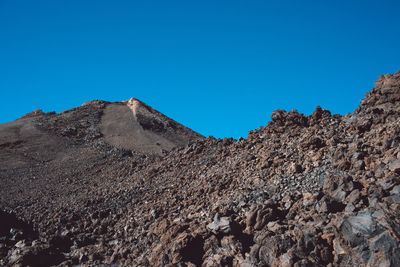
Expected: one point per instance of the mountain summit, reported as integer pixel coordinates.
(120, 184)
(136, 126)
(128, 125)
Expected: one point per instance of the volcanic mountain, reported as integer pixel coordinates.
(120, 184)
(48, 156)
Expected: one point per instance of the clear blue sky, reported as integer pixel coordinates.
(219, 67)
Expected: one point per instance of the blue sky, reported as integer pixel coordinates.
(218, 67)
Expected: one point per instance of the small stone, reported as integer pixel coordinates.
(338, 248)
(273, 226)
(395, 166)
(153, 213)
(353, 196)
(395, 190)
(20, 244)
(285, 260)
(378, 215)
(372, 202)
(220, 224)
(308, 199)
(388, 183)
(350, 208)
(359, 165)
(393, 199)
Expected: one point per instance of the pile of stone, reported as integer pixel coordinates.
(318, 190)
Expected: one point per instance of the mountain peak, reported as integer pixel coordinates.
(132, 124)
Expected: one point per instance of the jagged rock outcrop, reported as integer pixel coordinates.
(318, 190)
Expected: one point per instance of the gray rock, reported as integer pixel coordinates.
(356, 228)
(350, 207)
(395, 190)
(20, 244)
(393, 199)
(322, 206)
(385, 251)
(359, 165)
(267, 254)
(220, 224)
(353, 197)
(388, 183)
(395, 166)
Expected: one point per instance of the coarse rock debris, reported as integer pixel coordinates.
(120, 184)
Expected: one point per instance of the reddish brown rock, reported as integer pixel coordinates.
(120, 183)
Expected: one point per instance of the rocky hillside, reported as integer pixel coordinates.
(84, 187)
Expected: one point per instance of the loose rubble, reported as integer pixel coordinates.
(317, 190)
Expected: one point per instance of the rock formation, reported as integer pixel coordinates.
(120, 183)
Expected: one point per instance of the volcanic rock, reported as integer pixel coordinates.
(120, 184)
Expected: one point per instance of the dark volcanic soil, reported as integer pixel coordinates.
(120, 184)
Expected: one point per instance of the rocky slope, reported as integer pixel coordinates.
(318, 190)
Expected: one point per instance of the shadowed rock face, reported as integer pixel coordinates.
(120, 183)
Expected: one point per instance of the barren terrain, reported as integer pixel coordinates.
(120, 184)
